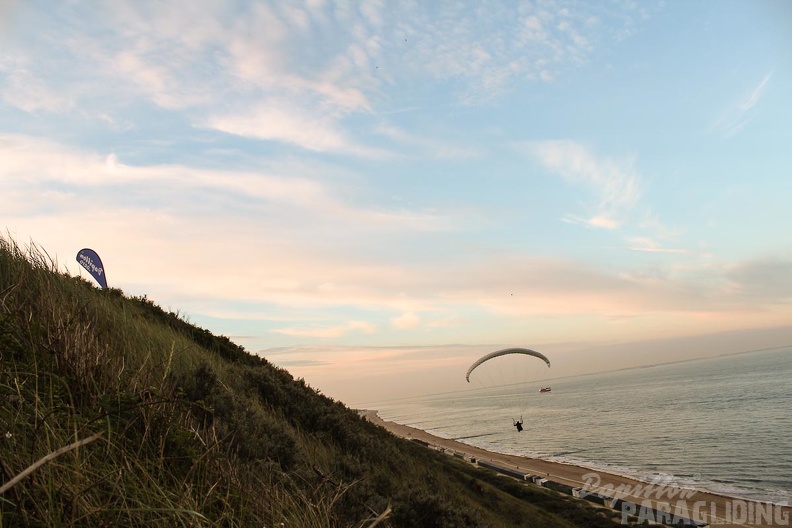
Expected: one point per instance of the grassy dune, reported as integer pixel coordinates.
(114, 412)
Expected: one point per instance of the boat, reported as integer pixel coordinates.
(544, 389)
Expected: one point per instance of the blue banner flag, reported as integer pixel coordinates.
(89, 260)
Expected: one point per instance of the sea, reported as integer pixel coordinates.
(721, 424)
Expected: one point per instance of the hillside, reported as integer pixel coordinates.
(115, 412)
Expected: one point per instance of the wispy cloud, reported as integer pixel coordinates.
(231, 66)
(296, 242)
(649, 245)
(278, 122)
(616, 183)
(172, 211)
(328, 332)
(27, 92)
(428, 146)
(406, 320)
(227, 57)
(493, 47)
(767, 278)
(740, 113)
(336, 172)
(37, 164)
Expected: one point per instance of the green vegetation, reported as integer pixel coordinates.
(114, 412)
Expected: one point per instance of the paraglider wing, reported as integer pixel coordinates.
(89, 260)
(504, 352)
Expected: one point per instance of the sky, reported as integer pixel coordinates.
(373, 194)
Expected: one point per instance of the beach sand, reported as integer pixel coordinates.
(717, 510)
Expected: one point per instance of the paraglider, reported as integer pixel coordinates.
(89, 260)
(508, 351)
(518, 424)
(504, 352)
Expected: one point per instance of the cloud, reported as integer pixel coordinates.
(40, 162)
(279, 121)
(9, 10)
(235, 243)
(312, 238)
(274, 123)
(333, 62)
(740, 113)
(769, 279)
(650, 246)
(363, 376)
(428, 146)
(29, 93)
(495, 47)
(35, 163)
(756, 94)
(601, 222)
(406, 320)
(446, 322)
(328, 332)
(194, 60)
(373, 359)
(616, 183)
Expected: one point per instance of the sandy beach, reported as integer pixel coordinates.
(717, 510)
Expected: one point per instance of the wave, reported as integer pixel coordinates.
(725, 488)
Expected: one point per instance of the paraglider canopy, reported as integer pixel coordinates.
(504, 352)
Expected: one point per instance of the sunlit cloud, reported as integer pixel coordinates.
(278, 122)
(244, 69)
(616, 183)
(446, 322)
(328, 332)
(650, 246)
(769, 279)
(406, 320)
(287, 125)
(376, 172)
(37, 163)
(27, 92)
(599, 222)
(372, 359)
(156, 55)
(169, 211)
(150, 239)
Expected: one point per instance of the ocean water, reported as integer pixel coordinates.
(720, 424)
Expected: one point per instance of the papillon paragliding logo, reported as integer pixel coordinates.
(89, 260)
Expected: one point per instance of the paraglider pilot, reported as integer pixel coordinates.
(518, 424)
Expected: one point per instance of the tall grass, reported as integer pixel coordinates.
(77, 363)
(114, 412)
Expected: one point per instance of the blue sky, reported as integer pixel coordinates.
(373, 192)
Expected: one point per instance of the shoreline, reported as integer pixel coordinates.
(684, 502)
(635, 476)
